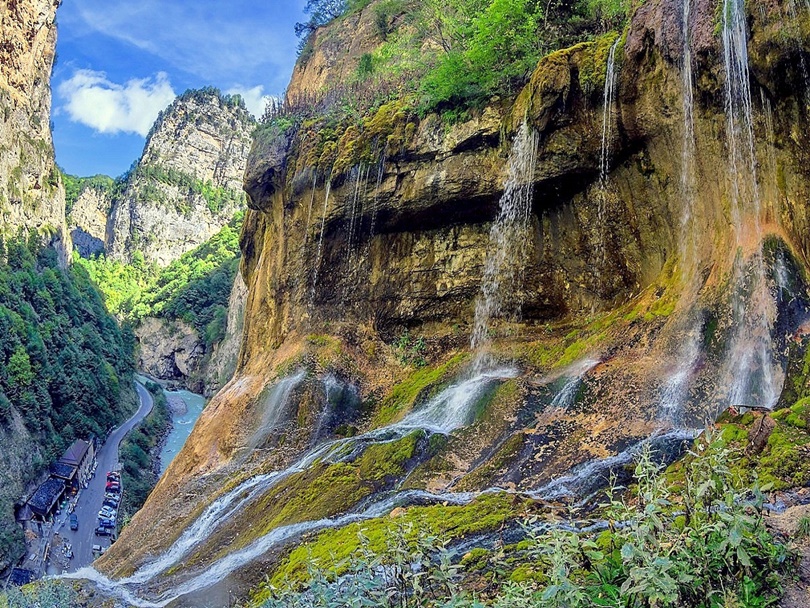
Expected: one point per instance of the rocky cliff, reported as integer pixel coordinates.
(658, 276)
(88, 220)
(31, 195)
(174, 351)
(187, 184)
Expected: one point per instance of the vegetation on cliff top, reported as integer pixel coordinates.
(63, 359)
(458, 53)
(194, 288)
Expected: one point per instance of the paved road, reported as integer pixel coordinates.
(90, 499)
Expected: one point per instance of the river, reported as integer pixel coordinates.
(181, 425)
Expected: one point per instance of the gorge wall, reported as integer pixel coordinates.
(662, 279)
(184, 190)
(31, 195)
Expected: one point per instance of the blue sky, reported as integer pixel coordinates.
(121, 62)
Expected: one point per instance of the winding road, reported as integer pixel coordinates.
(90, 499)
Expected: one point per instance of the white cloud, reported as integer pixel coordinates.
(235, 41)
(93, 100)
(255, 99)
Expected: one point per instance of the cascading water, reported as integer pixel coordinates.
(604, 160)
(275, 408)
(309, 210)
(508, 237)
(566, 396)
(451, 409)
(754, 377)
(585, 479)
(607, 113)
(674, 390)
(686, 242)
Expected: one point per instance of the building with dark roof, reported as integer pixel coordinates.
(60, 470)
(20, 577)
(45, 499)
(80, 455)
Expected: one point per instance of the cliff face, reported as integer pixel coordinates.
(31, 193)
(174, 351)
(187, 184)
(88, 220)
(658, 283)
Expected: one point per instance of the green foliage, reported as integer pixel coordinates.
(803, 528)
(139, 453)
(75, 185)
(42, 594)
(701, 544)
(218, 199)
(411, 352)
(63, 358)
(194, 288)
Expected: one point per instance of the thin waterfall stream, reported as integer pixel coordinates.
(754, 375)
(509, 238)
(609, 102)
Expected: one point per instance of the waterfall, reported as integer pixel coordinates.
(589, 477)
(574, 375)
(450, 409)
(607, 112)
(508, 238)
(674, 390)
(752, 373)
(687, 242)
(739, 116)
(275, 407)
(453, 408)
(311, 203)
(320, 240)
(604, 159)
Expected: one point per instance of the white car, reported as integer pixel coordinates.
(106, 512)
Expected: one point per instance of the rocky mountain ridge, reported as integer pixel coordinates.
(185, 187)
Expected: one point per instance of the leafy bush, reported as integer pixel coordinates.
(194, 288)
(44, 594)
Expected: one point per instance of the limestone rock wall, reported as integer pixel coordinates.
(88, 221)
(31, 194)
(187, 184)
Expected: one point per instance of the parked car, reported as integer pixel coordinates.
(113, 504)
(102, 531)
(74, 522)
(106, 522)
(106, 514)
